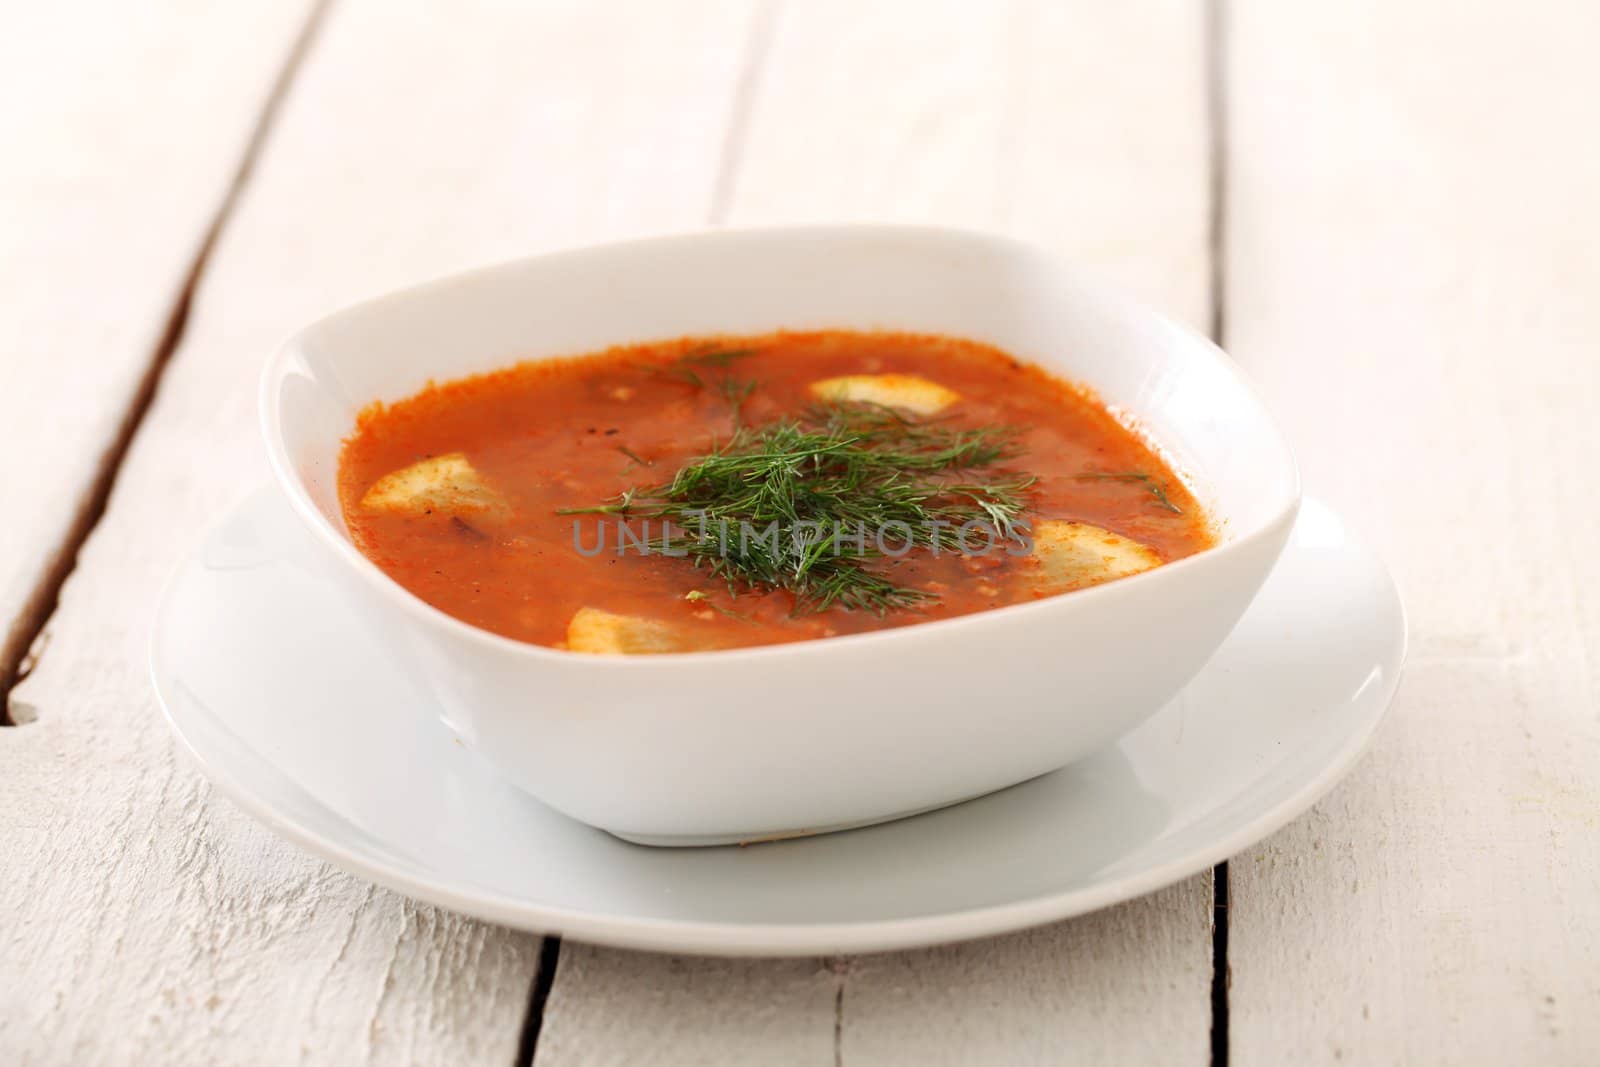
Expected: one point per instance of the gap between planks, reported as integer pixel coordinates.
(27, 640)
(1216, 48)
(32, 624)
(757, 47)
(544, 979)
(752, 67)
(1220, 974)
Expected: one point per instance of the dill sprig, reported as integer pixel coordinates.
(635, 460)
(1148, 481)
(693, 367)
(829, 483)
(700, 596)
(687, 367)
(735, 391)
(716, 356)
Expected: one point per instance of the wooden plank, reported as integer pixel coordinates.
(1081, 126)
(124, 127)
(1412, 276)
(1126, 985)
(1078, 992)
(144, 920)
(627, 1008)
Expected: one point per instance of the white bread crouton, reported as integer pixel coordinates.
(905, 391)
(596, 631)
(1073, 555)
(447, 483)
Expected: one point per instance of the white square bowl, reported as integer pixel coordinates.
(746, 744)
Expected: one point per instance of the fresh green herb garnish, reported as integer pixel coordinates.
(680, 372)
(716, 357)
(683, 369)
(687, 369)
(736, 391)
(638, 460)
(850, 477)
(1147, 480)
(700, 596)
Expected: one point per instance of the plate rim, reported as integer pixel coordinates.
(734, 939)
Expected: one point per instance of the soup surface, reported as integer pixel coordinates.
(715, 493)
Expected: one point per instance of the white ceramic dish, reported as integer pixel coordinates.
(274, 683)
(734, 745)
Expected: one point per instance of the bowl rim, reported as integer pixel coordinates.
(288, 352)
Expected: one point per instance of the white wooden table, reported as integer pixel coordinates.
(1387, 210)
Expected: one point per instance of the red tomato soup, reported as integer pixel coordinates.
(716, 493)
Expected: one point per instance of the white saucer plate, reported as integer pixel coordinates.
(296, 712)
